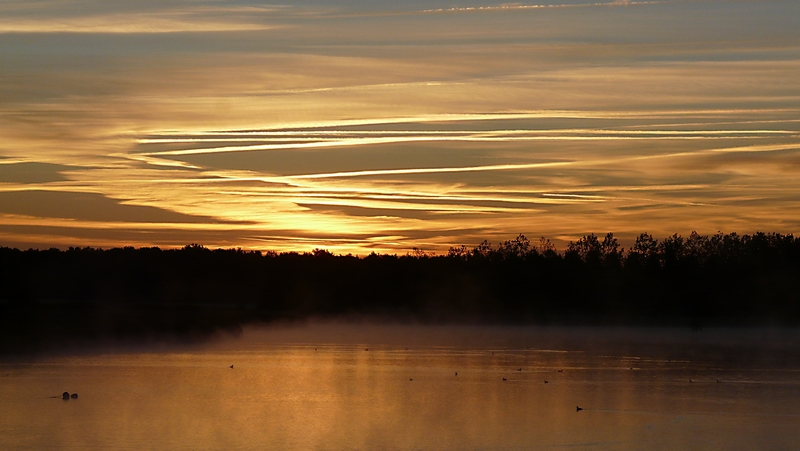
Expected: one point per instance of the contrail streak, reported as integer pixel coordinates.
(497, 167)
(477, 137)
(324, 135)
(503, 167)
(471, 117)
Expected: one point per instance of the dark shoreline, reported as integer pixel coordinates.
(52, 298)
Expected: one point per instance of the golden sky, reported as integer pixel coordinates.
(375, 125)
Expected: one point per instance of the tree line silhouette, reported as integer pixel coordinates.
(50, 296)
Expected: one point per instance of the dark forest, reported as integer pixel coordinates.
(88, 295)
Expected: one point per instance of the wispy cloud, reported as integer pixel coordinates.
(497, 167)
(523, 7)
(141, 23)
(383, 127)
(338, 139)
(117, 17)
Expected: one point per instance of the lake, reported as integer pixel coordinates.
(409, 387)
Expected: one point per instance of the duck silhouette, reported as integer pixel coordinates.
(578, 409)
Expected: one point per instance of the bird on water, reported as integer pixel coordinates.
(578, 409)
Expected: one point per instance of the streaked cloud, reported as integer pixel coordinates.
(523, 7)
(123, 24)
(361, 127)
(124, 17)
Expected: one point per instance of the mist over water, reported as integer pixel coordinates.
(377, 386)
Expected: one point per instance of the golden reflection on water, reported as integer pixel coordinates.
(338, 395)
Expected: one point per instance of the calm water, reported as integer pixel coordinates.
(350, 388)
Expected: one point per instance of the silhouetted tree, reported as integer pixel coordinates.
(459, 252)
(48, 296)
(546, 247)
(519, 247)
(482, 250)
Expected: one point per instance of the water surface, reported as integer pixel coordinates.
(410, 387)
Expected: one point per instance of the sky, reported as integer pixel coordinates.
(360, 126)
